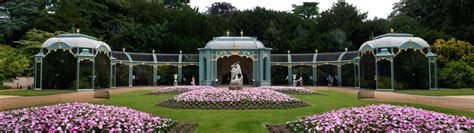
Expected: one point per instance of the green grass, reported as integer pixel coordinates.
(34, 92)
(441, 92)
(249, 120)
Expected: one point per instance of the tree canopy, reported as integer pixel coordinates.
(168, 26)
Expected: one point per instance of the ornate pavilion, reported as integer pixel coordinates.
(256, 60)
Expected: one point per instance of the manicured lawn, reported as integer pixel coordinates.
(34, 92)
(249, 120)
(441, 92)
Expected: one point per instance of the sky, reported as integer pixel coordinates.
(375, 8)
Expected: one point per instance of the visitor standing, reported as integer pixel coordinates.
(330, 80)
(300, 80)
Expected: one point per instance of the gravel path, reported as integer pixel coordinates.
(13, 102)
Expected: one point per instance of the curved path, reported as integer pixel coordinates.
(453, 102)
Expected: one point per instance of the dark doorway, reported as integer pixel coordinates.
(223, 68)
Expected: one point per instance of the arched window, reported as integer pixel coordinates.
(265, 64)
(204, 68)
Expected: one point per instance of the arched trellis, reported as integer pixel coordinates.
(86, 48)
(338, 59)
(384, 47)
(388, 46)
(155, 60)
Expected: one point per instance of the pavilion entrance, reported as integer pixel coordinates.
(223, 68)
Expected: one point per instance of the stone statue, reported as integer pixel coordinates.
(236, 77)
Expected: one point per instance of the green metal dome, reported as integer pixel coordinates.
(234, 43)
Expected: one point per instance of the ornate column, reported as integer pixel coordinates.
(315, 68)
(180, 74)
(180, 68)
(339, 71)
(432, 70)
(155, 75)
(290, 70)
(384, 54)
(130, 75)
(38, 81)
(113, 64)
(357, 72)
(315, 74)
(84, 55)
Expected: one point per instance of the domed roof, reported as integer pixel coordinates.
(395, 40)
(68, 41)
(234, 43)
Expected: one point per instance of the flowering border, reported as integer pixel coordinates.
(290, 90)
(82, 117)
(231, 105)
(248, 98)
(382, 118)
(177, 89)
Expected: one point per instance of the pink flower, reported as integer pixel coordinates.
(384, 118)
(74, 117)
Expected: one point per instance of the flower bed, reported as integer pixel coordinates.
(382, 118)
(290, 90)
(248, 98)
(72, 117)
(178, 89)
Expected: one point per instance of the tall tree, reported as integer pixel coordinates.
(175, 4)
(221, 9)
(453, 17)
(309, 10)
(22, 15)
(347, 18)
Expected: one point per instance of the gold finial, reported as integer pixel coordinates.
(345, 49)
(78, 30)
(123, 49)
(228, 33)
(391, 30)
(241, 33)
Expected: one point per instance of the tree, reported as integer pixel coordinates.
(454, 50)
(175, 4)
(309, 10)
(32, 40)
(452, 17)
(22, 16)
(457, 74)
(147, 36)
(221, 9)
(13, 63)
(347, 18)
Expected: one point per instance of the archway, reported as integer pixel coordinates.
(305, 72)
(279, 73)
(223, 68)
(410, 70)
(325, 71)
(59, 70)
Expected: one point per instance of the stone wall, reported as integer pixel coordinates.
(20, 83)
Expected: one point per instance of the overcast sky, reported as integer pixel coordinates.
(375, 8)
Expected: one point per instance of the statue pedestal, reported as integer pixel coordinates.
(235, 85)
